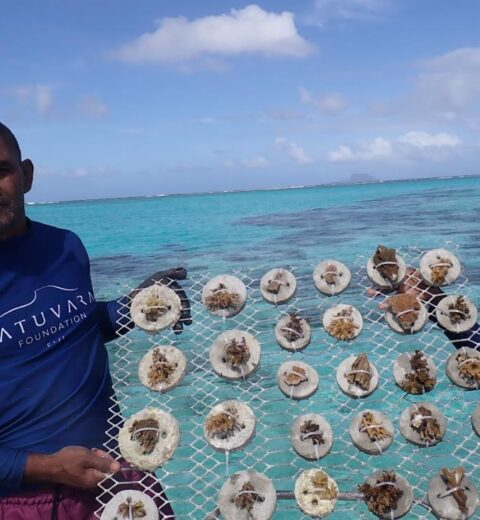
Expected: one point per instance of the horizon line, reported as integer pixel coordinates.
(248, 190)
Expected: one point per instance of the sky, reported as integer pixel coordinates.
(129, 98)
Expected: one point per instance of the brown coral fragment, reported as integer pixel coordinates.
(342, 326)
(324, 489)
(137, 509)
(275, 284)
(154, 308)
(405, 307)
(237, 353)
(375, 430)
(160, 369)
(311, 430)
(331, 274)
(425, 425)
(247, 497)
(295, 376)
(459, 310)
(439, 270)
(223, 424)
(146, 433)
(382, 497)
(469, 367)
(222, 299)
(453, 479)
(385, 261)
(419, 380)
(293, 329)
(360, 373)
(342, 329)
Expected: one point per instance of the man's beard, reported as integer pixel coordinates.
(10, 213)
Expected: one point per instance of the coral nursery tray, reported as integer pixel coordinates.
(194, 474)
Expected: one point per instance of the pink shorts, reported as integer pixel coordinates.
(64, 503)
(60, 503)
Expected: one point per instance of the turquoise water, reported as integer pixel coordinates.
(251, 232)
(292, 225)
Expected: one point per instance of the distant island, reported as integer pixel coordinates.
(360, 177)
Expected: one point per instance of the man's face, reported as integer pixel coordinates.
(15, 181)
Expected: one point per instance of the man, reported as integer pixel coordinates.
(413, 284)
(55, 384)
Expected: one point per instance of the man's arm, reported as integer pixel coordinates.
(113, 318)
(73, 466)
(413, 284)
(12, 468)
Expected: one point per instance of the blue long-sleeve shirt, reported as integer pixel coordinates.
(55, 384)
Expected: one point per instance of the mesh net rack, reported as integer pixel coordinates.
(195, 474)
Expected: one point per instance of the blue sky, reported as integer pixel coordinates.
(118, 98)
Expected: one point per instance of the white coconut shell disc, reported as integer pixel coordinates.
(232, 285)
(392, 321)
(304, 389)
(436, 257)
(155, 308)
(383, 283)
(341, 277)
(220, 363)
(129, 496)
(476, 420)
(444, 504)
(353, 390)
(263, 509)
(305, 443)
(404, 503)
(334, 313)
(176, 360)
(412, 435)
(443, 314)
(168, 440)
(241, 435)
(453, 372)
(284, 283)
(402, 367)
(362, 441)
(311, 499)
(300, 342)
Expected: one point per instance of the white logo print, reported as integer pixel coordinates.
(47, 324)
(35, 298)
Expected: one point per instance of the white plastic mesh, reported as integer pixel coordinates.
(195, 474)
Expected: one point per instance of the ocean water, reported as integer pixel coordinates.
(248, 233)
(279, 226)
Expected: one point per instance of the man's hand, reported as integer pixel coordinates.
(169, 278)
(411, 284)
(72, 466)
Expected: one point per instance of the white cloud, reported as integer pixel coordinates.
(40, 96)
(451, 81)
(43, 99)
(205, 120)
(250, 30)
(78, 171)
(349, 10)
(93, 106)
(378, 148)
(296, 152)
(408, 146)
(256, 162)
(331, 103)
(423, 140)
